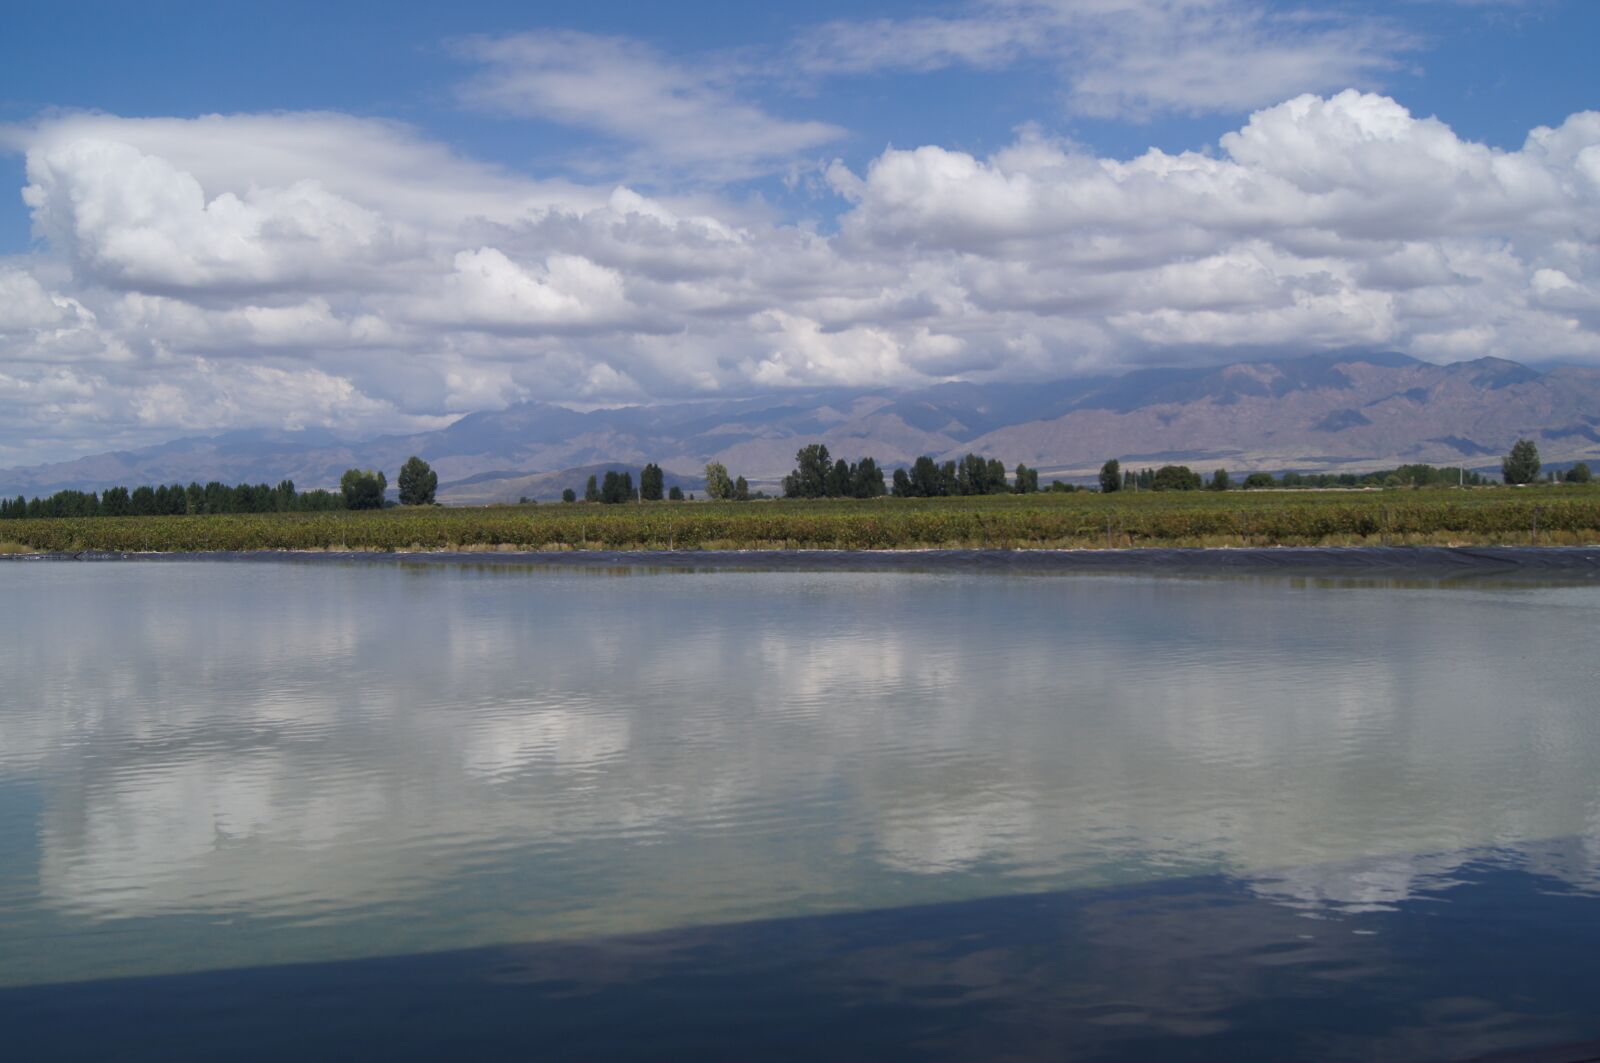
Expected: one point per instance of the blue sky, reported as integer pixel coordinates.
(1491, 70)
(566, 171)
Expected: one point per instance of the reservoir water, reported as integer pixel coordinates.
(395, 810)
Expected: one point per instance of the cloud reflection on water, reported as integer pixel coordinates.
(453, 756)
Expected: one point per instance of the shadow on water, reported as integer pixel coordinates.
(1497, 962)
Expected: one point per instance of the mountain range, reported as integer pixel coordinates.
(1352, 411)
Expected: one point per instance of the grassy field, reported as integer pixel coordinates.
(1544, 515)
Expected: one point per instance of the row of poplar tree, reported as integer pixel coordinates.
(618, 487)
(173, 500)
(1520, 466)
(358, 489)
(818, 475)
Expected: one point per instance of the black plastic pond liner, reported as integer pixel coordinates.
(1431, 561)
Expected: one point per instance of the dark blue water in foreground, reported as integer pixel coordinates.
(1199, 968)
(362, 811)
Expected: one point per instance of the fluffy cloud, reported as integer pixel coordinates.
(129, 219)
(25, 304)
(1354, 167)
(1325, 222)
(319, 269)
(487, 290)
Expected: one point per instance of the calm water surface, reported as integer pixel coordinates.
(261, 807)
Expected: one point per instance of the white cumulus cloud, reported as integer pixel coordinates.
(134, 220)
(320, 269)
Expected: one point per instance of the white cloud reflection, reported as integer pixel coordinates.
(531, 756)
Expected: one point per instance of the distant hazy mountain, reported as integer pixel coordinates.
(1328, 414)
(1351, 411)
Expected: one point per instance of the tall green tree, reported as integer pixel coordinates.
(926, 480)
(114, 502)
(418, 482)
(1220, 481)
(362, 489)
(838, 481)
(995, 482)
(652, 483)
(972, 475)
(719, 485)
(810, 476)
(591, 490)
(1521, 466)
(1579, 473)
(902, 484)
(616, 488)
(741, 490)
(1111, 476)
(867, 479)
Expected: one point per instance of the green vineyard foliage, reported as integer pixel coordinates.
(1043, 520)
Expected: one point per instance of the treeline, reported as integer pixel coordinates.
(358, 489)
(616, 487)
(817, 474)
(173, 500)
(972, 475)
(1167, 478)
(1520, 466)
(1183, 478)
(1403, 476)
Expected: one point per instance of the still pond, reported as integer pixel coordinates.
(419, 810)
